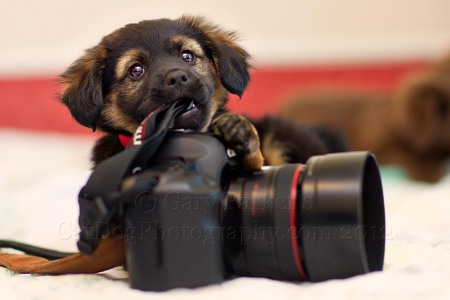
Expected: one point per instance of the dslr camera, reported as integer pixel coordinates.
(194, 218)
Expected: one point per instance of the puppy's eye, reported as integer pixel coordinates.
(187, 56)
(136, 71)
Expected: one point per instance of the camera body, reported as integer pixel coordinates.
(194, 218)
(174, 231)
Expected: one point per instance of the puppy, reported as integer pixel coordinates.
(143, 66)
(409, 128)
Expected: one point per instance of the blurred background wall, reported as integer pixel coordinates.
(296, 45)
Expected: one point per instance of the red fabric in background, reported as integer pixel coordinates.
(32, 103)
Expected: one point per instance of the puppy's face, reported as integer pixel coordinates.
(143, 66)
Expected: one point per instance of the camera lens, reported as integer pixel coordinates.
(318, 221)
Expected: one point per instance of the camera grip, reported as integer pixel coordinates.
(174, 238)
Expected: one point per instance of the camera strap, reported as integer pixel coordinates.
(100, 201)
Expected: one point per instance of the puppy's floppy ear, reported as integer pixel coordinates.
(231, 61)
(421, 112)
(83, 87)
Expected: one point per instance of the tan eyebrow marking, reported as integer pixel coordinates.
(188, 44)
(202, 66)
(123, 63)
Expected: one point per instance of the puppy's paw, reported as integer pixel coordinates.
(240, 135)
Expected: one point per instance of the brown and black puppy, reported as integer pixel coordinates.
(409, 128)
(142, 66)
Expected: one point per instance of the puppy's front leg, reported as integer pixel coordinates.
(239, 134)
(105, 147)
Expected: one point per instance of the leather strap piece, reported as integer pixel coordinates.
(109, 254)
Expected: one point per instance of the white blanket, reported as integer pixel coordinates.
(41, 174)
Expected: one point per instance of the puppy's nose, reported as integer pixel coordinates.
(176, 78)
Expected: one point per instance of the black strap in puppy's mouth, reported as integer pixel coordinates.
(157, 120)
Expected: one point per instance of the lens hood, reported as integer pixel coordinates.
(342, 220)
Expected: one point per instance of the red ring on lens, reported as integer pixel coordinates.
(293, 222)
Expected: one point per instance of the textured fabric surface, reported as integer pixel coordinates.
(41, 174)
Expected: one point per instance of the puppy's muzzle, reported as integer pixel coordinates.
(180, 83)
(176, 79)
(175, 83)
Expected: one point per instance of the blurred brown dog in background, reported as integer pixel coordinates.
(409, 129)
